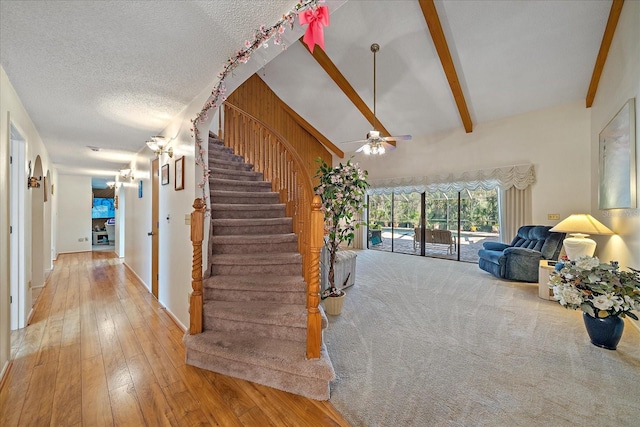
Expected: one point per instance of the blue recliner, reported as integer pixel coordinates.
(520, 260)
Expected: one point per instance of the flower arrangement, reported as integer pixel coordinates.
(600, 290)
(342, 189)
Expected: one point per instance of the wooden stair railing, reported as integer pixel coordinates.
(280, 164)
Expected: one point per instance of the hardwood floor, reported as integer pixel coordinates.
(100, 350)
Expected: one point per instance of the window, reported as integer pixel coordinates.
(456, 222)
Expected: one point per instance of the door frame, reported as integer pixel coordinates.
(155, 225)
(17, 244)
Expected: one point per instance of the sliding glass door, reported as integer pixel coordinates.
(455, 223)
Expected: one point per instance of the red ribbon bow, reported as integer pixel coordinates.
(316, 18)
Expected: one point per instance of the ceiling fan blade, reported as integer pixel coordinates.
(357, 141)
(398, 138)
(360, 149)
(388, 146)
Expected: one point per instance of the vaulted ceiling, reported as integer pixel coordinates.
(110, 74)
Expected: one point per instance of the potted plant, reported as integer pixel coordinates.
(604, 293)
(342, 189)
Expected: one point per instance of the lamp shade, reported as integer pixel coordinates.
(583, 224)
(580, 226)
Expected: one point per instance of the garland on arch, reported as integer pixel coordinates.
(314, 15)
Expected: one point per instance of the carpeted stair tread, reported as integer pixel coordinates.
(280, 355)
(247, 210)
(215, 149)
(236, 174)
(276, 284)
(230, 164)
(280, 364)
(255, 239)
(255, 186)
(247, 206)
(268, 288)
(229, 227)
(244, 197)
(256, 259)
(276, 314)
(223, 156)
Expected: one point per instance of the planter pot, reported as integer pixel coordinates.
(333, 305)
(604, 332)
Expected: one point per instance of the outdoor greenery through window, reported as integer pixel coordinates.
(455, 223)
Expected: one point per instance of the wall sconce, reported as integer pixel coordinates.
(157, 144)
(126, 174)
(32, 181)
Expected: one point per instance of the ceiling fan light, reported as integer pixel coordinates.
(381, 150)
(367, 149)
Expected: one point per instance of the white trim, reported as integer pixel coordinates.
(176, 320)
(137, 277)
(5, 371)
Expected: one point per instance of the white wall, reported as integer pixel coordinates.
(620, 81)
(555, 140)
(74, 213)
(12, 111)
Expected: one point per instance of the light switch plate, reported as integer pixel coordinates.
(553, 216)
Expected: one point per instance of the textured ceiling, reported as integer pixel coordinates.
(112, 73)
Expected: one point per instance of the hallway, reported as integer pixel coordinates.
(100, 350)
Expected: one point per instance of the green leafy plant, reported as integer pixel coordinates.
(599, 290)
(342, 190)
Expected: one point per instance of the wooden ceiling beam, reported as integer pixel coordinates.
(332, 71)
(437, 35)
(607, 37)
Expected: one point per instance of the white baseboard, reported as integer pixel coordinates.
(5, 372)
(176, 320)
(128, 267)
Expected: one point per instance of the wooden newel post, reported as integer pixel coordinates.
(197, 234)
(314, 320)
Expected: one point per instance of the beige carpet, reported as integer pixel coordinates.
(430, 342)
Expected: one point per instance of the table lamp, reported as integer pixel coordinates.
(579, 227)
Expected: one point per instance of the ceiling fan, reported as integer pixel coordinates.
(374, 143)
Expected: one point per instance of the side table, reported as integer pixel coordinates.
(544, 270)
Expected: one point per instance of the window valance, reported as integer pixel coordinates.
(519, 176)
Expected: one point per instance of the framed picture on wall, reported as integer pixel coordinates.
(617, 188)
(165, 174)
(179, 172)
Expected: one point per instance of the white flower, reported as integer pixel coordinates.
(587, 262)
(631, 303)
(567, 295)
(602, 302)
(617, 303)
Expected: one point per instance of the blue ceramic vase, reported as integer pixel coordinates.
(604, 332)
